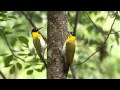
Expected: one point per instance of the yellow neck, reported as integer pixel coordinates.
(71, 38)
(36, 35)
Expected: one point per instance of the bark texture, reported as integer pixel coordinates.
(56, 35)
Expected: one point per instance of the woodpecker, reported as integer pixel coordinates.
(39, 43)
(69, 50)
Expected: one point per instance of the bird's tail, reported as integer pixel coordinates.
(42, 59)
(67, 69)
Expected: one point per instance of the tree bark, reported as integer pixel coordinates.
(56, 35)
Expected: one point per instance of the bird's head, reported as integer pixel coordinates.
(36, 29)
(72, 33)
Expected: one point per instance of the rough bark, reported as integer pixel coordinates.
(56, 35)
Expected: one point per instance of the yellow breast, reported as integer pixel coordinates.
(36, 35)
(71, 39)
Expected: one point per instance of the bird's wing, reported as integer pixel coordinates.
(37, 45)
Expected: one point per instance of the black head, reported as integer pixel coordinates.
(72, 33)
(35, 30)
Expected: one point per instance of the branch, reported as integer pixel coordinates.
(103, 42)
(74, 31)
(28, 18)
(110, 29)
(30, 21)
(75, 23)
(91, 20)
(73, 71)
(11, 49)
(114, 32)
(3, 76)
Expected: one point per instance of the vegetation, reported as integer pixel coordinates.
(97, 49)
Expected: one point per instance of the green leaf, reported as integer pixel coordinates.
(7, 32)
(117, 37)
(20, 30)
(12, 70)
(3, 12)
(13, 17)
(8, 65)
(7, 60)
(3, 19)
(3, 54)
(13, 41)
(3, 15)
(38, 70)
(29, 72)
(28, 66)
(19, 66)
(23, 40)
(30, 54)
(17, 26)
(21, 54)
(2, 27)
(42, 68)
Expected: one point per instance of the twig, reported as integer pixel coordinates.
(28, 18)
(114, 32)
(90, 57)
(91, 20)
(110, 29)
(73, 71)
(33, 25)
(103, 42)
(3, 76)
(75, 23)
(11, 49)
(30, 21)
(74, 31)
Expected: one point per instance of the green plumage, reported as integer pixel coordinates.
(37, 45)
(70, 50)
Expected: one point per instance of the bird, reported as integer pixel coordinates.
(68, 50)
(39, 44)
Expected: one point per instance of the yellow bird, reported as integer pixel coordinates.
(39, 44)
(69, 50)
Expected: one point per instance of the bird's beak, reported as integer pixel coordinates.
(40, 28)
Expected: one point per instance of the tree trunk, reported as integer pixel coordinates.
(56, 35)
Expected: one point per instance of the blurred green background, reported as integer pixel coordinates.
(16, 29)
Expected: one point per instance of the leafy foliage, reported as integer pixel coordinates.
(7, 60)
(17, 30)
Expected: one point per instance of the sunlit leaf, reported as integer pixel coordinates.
(1, 12)
(117, 37)
(40, 70)
(29, 72)
(2, 27)
(17, 26)
(13, 17)
(19, 66)
(7, 60)
(3, 15)
(30, 54)
(28, 66)
(4, 54)
(23, 40)
(12, 69)
(13, 41)
(111, 47)
(20, 30)
(7, 32)
(21, 54)
(3, 19)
